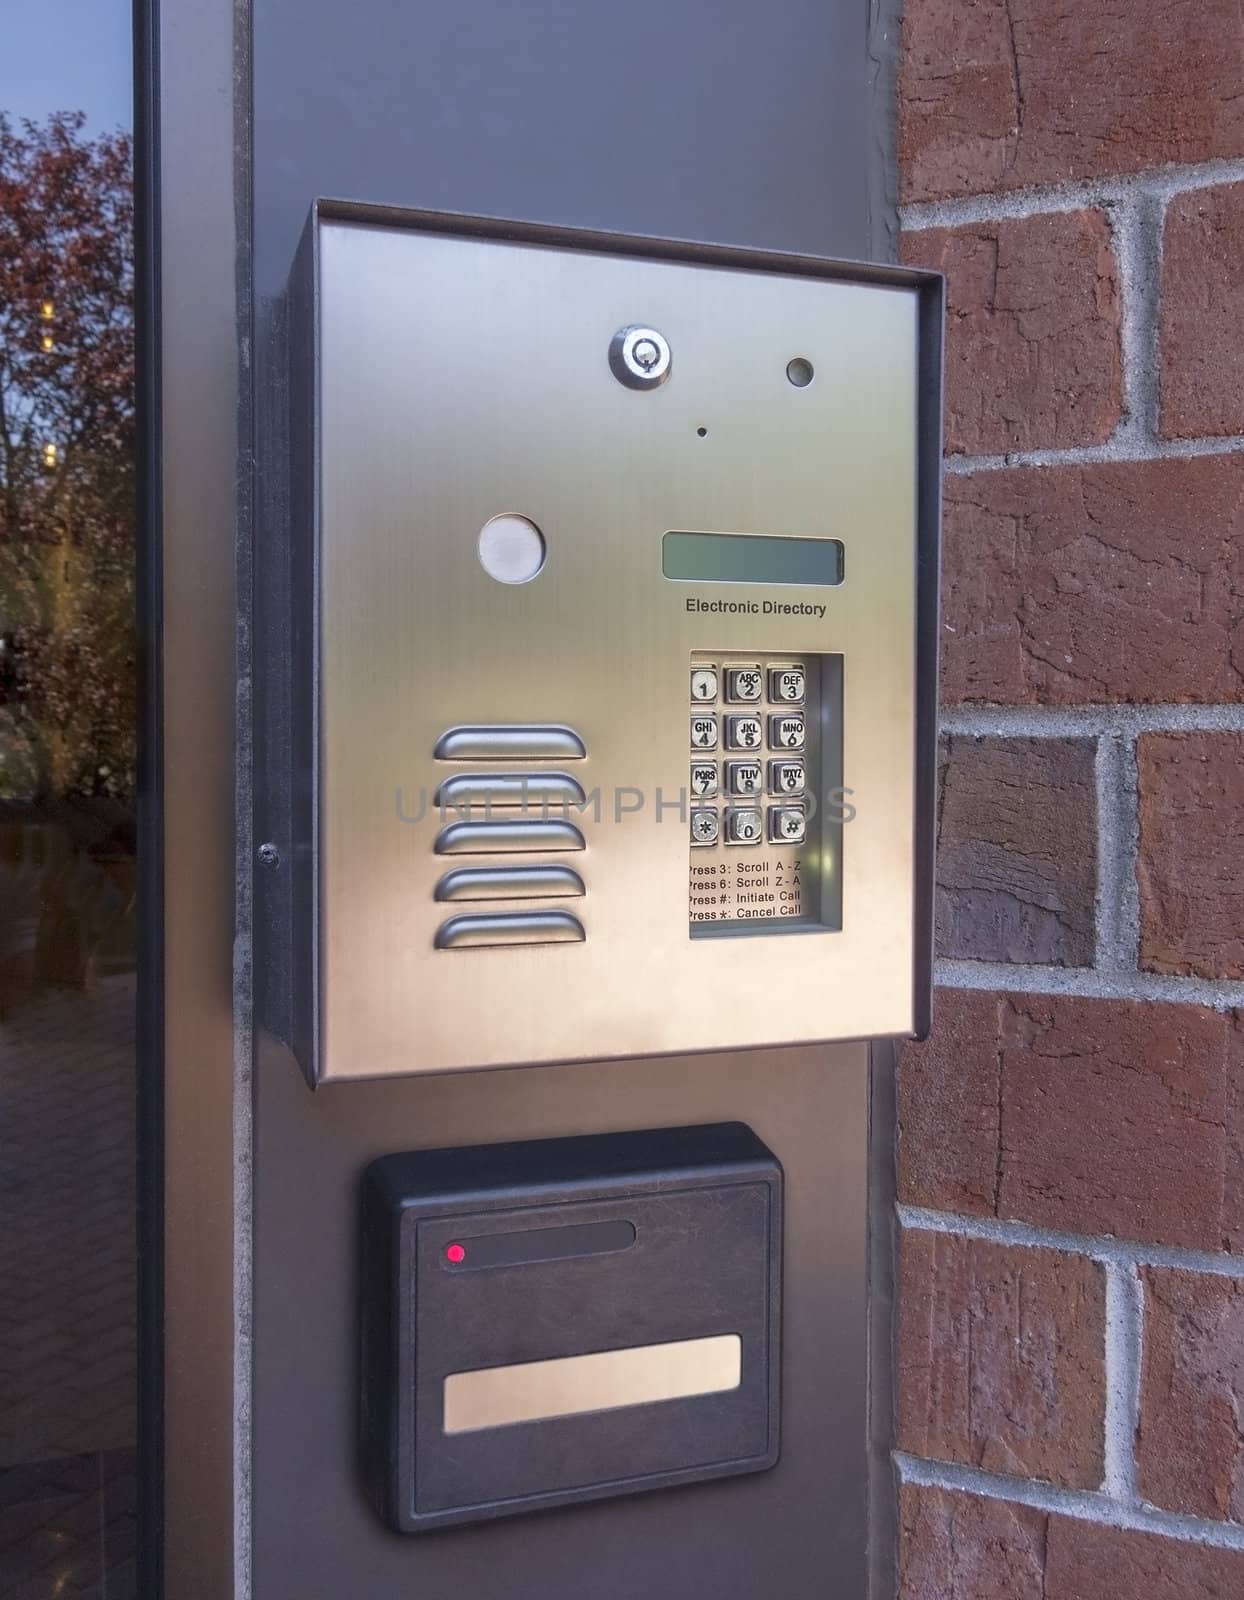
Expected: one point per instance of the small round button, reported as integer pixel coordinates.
(511, 548)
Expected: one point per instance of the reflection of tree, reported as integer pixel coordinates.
(67, 702)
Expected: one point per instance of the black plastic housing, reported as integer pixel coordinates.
(705, 1206)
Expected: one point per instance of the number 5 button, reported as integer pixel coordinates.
(743, 733)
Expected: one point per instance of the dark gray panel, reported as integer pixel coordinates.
(718, 120)
(793, 1532)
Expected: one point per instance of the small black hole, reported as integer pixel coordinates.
(703, 432)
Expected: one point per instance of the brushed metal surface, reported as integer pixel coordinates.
(485, 789)
(510, 883)
(427, 428)
(514, 743)
(491, 838)
(508, 928)
(570, 1386)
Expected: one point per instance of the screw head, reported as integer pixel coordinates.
(269, 855)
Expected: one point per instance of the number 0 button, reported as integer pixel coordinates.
(743, 827)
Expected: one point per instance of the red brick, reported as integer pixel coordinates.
(954, 1547)
(1032, 335)
(1094, 1116)
(1017, 850)
(1116, 581)
(1191, 878)
(1086, 1561)
(1003, 94)
(1202, 312)
(949, 1108)
(1001, 1358)
(958, 1547)
(1190, 1448)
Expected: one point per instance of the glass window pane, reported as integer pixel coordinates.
(67, 833)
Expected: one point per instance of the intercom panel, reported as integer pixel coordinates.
(565, 1320)
(613, 660)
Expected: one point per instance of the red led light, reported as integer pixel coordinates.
(455, 1253)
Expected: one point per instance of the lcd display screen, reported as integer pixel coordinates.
(751, 558)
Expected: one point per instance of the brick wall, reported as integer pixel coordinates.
(1070, 1348)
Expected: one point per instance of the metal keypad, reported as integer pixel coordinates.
(757, 769)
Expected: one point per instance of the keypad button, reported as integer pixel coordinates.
(786, 731)
(787, 825)
(786, 777)
(703, 733)
(744, 777)
(744, 827)
(705, 827)
(744, 684)
(704, 684)
(744, 733)
(703, 779)
(786, 685)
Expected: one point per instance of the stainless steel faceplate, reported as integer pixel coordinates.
(459, 379)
